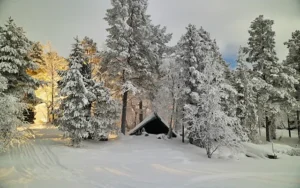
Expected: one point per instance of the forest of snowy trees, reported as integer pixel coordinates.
(94, 93)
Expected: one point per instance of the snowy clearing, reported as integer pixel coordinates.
(137, 161)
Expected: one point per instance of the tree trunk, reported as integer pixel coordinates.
(258, 120)
(135, 119)
(141, 111)
(182, 134)
(267, 129)
(298, 123)
(209, 155)
(273, 128)
(170, 128)
(52, 96)
(171, 120)
(176, 118)
(208, 151)
(48, 114)
(124, 108)
(289, 128)
(259, 128)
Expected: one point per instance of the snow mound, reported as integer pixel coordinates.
(264, 150)
(256, 151)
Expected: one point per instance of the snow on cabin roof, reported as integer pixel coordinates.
(146, 120)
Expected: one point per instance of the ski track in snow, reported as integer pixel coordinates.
(35, 160)
(135, 162)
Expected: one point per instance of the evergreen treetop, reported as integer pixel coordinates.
(15, 61)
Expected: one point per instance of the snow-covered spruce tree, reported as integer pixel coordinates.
(92, 55)
(105, 113)
(79, 56)
(246, 97)
(192, 49)
(73, 112)
(229, 99)
(132, 47)
(11, 115)
(230, 104)
(262, 56)
(15, 61)
(191, 52)
(206, 87)
(293, 61)
(266, 70)
(36, 55)
(283, 98)
(206, 117)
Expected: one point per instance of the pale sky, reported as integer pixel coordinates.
(59, 21)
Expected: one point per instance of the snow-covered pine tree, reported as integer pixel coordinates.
(229, 103)
(283, 98)
(15, 61)
(92, 55)
(207, 121)
(190, 54)
(73, 113)
(293, 61)
(11, 115)
(36, 55)
(191, 51)
(132, 47)
(262, 56)
(276, 85)
(246, 97)
(79, 56)
(105, 113)
(240, 84)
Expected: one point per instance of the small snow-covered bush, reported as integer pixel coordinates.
(293, 152)
(290, 152)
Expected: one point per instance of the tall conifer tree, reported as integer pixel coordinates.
(133, 46)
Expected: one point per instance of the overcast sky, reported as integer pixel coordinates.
(228, 21)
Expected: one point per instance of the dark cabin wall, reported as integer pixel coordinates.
(155, 126)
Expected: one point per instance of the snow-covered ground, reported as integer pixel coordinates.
(141, 161)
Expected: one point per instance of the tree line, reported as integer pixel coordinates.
(189, 84)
